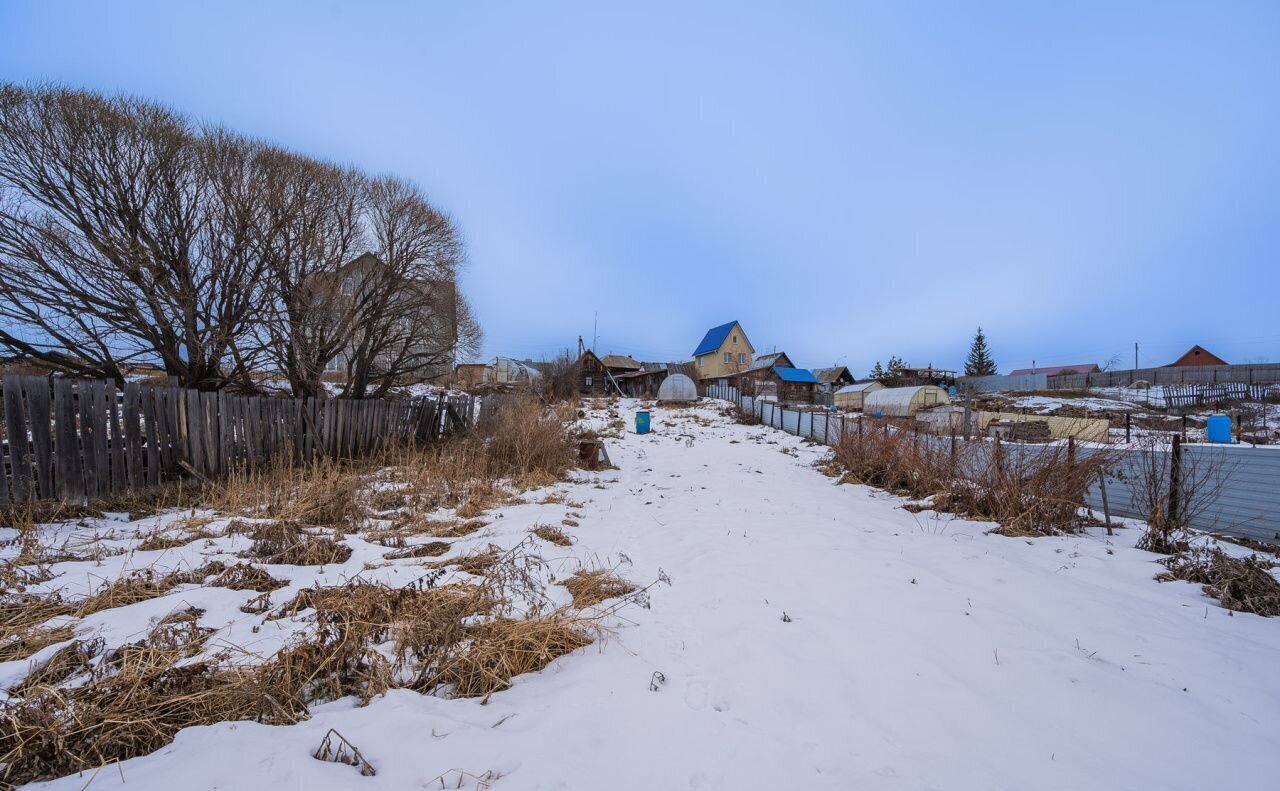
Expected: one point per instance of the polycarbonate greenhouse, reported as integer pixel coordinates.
(903, 401)
(677, 387)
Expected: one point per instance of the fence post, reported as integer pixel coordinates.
(1106, 507)
(1175, 478)
(1128, 424)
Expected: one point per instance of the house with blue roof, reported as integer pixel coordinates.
(724, 353)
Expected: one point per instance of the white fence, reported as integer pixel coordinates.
(1236, 487)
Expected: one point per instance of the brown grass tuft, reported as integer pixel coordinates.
(589, 588)
(504, 648)
(552, 534)
(429, 550)
(288, 544)
(1240, 584)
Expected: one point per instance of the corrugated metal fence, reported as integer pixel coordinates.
(1007, 383)
(78, 440)
(1236, 487)
(1259, 374)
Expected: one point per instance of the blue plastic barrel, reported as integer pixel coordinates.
(1219, 428)
(642, 422)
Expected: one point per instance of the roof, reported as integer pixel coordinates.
(714, 337)
(801, 375)
(858, 387)
(830, 374)
(767, 360)
(1197, 355)
(1058, 370)
(620, 361)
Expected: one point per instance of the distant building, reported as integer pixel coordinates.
(723, 353)
(832, 379)
(771, 359)
(1197, 355)
(645, 382)
(916, 377)
(791, 385)
(620, 364)
(593, 376)
(1058, 370)
(469, 374)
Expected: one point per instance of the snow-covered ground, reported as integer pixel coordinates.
(812, 635)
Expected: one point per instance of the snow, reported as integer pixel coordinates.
(917, 651)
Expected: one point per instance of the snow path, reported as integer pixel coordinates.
(920, 654)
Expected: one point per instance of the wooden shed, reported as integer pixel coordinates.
(850, 397)
(592, 374)
(903, 401)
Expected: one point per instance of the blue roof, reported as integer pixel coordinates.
(803, 375)
(714, 337)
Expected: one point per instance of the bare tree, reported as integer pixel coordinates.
(411, 321)
(310, 230)
(117, 239)
(128, 236)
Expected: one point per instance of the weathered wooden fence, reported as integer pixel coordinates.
(81, 439)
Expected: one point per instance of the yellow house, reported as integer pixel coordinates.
(724, 352)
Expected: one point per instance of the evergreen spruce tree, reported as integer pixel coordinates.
(894, 373)
(979, 362)
(877, 373)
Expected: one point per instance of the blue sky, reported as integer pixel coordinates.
(850, 181)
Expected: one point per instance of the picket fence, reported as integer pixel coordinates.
(78, 440)
(1239, 484)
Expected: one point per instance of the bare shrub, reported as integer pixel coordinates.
(1149, 474)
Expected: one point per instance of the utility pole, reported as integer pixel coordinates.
(595, 330)
(579, 345)
(1135, 354)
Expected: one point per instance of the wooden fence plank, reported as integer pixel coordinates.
(132, 414)
(39, 412)
(195, 437)
(166, 436)
(119, 473)
(101, 453)
(88, 425)
(152, 419)
(15, 424)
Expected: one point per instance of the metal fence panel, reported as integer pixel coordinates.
(1240, 485)
(1009, 382)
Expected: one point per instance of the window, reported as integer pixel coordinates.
(348, 285)
(735, 339)
(728, 357)
(742, 358)
(587, 381)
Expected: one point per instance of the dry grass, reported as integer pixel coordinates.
(590, 588)
(139, 586)
(243, 576)
(325, 492)
(504, 648)
(288, 544)
(552, 534)
(1034, 491)
(431, 549)
(66, 663)
(1240, 584)
(86, 706)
